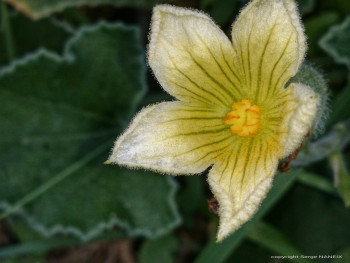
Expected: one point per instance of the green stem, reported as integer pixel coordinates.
(55, 180)
(6, 27)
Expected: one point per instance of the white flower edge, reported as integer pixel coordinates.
(231, 220)
(171, 137)
(191, 57)
(292, 10)
(301, 120)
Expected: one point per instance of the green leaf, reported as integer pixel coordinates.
(59, 117)
(28, 36)
(41, 8)
(333, 141)
(159, 250)
(30, 242)
(219, 252)
(77, 17)
(311, 77)
(21, 230)
(340, 106)
(341, 176)
(317, 222)
(271, 238)
(336, 42)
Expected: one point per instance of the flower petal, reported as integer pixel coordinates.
(173, 137)
(191, 57)
(241, 181)
(300, 120)
(269, 38)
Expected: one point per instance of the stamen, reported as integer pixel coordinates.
(244, 119)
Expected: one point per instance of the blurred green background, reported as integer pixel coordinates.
(73, 73)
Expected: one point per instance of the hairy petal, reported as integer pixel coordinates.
(192, 58)
(300, 120)
(173, 137)
(294, 17)
(241, 181)
(270, 41)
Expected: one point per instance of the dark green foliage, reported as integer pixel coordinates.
(59, 114)
(304, 220)
(160, 250)
(28, 36)
(69, 84)
(340, 106)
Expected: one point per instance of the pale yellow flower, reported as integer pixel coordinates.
(232, 111)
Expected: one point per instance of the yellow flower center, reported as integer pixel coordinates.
(244, 119)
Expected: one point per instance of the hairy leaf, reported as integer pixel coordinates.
(309, 76)
(28, 36)
(333, 141)
(336, 42)
(59, 116)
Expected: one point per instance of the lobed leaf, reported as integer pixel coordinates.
(27, 36)
(59, 116)
(333, 141)
(336, 42)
